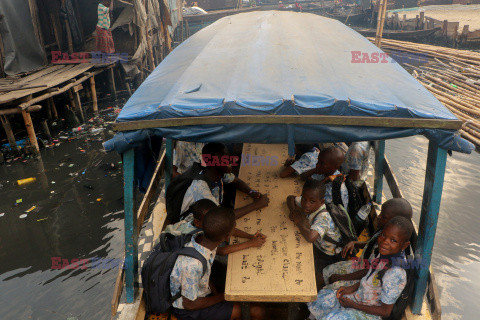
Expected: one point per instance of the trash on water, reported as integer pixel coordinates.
(23, 216)
(19, 201)
(53, 182)
(42, 219)
(31, 209)
(22, 182)
(99, 199)
(70, 165)
(2, 214)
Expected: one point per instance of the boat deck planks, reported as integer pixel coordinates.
(283, 269)
(44, 79)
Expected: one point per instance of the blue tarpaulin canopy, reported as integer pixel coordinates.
(270, 63)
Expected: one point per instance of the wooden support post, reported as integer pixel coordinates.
(30, 130)
(36, 25)
(111, 77)
(455, 34)
(131, 235)
(380, 23)
(2, 53)
(46, 130)
(94, 94)
(9, 132)
(54, 25)
(422, 20)
(76, 103)
(168, 162)
(379, 167)
(51, 106)
(464, 35)
(432, 195)
(404, 21)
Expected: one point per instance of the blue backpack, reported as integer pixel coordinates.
(159, 265)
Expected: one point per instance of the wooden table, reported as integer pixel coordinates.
(283, 269)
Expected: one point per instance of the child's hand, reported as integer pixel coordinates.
(346, 302)
(297, 217)
(345, 290)
(257, 241)
(349, 249)
(289, 161)
(254, 194)
(261, 235)
(261, 202)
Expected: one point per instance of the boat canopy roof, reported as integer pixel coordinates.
(278, 77)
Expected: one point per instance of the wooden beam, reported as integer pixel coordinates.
(111, 77)
(30, 130)
(10, 111)
(131, 234)
(117, 292)
(51, 105)
(78, 104)
(58, 38)
(391, 180)
(292, 119)
(432, 195)
(9, 132)
(94, 94)
(36, 26)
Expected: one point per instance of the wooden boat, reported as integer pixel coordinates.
(409, 35)
(255, 96)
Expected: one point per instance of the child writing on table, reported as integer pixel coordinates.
(375, 295)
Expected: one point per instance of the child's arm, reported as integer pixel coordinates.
(242, 234)
(256, 242)
(308, 174)
(287, 171)
(383, 310)
(303, 225)
(357, 275)
(257, 204)
(351, 246)
(202, 303)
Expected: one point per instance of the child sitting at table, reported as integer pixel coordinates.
(198, 300)
(185, 154)
(193, 223)
(374, 296)
(306, 157)
(309, 214)
(344, 273)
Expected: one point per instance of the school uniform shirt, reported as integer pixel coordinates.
(371, 291)
(306, 162)
(322, 222)
(186, 153)
(182, 227)
(103, 17)
(186, 277)
(199, 190)
(328, 189)
(357, 158)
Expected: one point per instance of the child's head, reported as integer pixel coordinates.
(107, 3)
(395, 236)
(396, 207)
(218, 224)
(199, 209)
(215, 154)
(330, 160)
(313, 195)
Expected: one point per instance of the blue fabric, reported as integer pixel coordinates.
(281, 63)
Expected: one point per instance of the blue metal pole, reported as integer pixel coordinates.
(432, 195)
(131, 236)
(379, 165)
(168, 162)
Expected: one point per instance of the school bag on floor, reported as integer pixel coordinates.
(159, 265)
(177, 189)
(342, 221)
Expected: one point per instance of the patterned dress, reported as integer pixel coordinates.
(371, 291)
(104, 35)
(186, 153)
(356, 158)
(306, 162)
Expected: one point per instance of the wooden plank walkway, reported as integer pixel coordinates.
(40, 81)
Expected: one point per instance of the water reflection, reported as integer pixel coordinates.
(456, 252)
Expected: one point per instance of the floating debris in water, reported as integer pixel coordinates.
(42, 219)
(2, 214)
(23, 216)
(19, 201)
(99, 199)
(31, 209)
(70, 165)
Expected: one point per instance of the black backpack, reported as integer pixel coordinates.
(355, 198)
(405, 297)
(159, 265)
(343, 223)
(177, 189)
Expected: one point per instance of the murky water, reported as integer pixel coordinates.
(79, 216)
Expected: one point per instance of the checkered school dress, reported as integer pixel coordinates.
(104, 35)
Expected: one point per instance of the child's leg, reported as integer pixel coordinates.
(349, 314)
(341, 267)
(257, 311)
(326, 302)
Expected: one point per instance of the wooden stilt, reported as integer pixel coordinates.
(94, 94)
(31, 131)
(51, 104)
(78, 104)
(46, 130)
(49, 110)
(379, 167)
(128, 88)
(53, 23)
(8, 130)
(111, 77)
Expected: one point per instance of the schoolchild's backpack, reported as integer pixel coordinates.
(405, 297)
(177, 189)
(355, 198)
(342, 222)
(159, 265)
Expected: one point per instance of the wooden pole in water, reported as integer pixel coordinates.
(30, 130)
(8, 130)
(111, 76)
(94, 94)
(52, 107)
(46, 130)
(78, 102)
(432, 195)
(382, 10)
